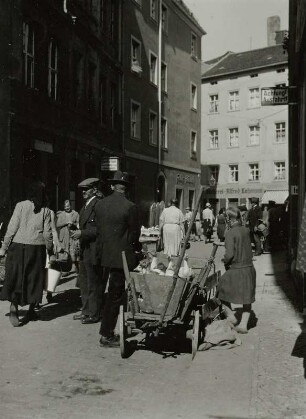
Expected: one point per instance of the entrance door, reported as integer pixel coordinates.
(179, 197)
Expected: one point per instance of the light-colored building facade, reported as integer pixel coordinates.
(244, 144)
(162, 113)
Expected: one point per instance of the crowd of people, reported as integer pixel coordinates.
(91, 244)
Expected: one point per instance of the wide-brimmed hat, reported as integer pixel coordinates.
(90, 182)
(120, 178)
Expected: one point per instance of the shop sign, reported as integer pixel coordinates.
(274, 96)
(43, 146)
(185, 180)
(110, 164)
(236, 191)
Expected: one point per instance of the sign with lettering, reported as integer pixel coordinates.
(274, 96)
(185, 180)
(110, 164)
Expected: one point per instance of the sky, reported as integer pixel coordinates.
(236, 25)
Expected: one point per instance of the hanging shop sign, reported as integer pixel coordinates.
(274, 96)
(43, 146)
(110, 164)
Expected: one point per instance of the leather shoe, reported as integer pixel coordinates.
(110, 341)
(79, 316)
(89, 320)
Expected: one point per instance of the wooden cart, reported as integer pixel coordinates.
(159, 304)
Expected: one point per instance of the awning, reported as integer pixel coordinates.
(278, 196)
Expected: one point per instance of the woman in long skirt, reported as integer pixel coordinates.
(27, 238)
(237, 285)
(171, 224)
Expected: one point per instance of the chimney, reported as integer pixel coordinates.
(273, 26)
(279, 37)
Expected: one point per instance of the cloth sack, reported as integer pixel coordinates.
(220, 334)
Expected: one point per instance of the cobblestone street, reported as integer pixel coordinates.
(55, 368)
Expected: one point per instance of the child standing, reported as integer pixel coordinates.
(238, 283)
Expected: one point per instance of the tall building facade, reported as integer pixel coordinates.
(60, 95)
(297, 142)
(244, 144)
(162, 107)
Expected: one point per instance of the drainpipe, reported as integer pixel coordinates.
(159, 84)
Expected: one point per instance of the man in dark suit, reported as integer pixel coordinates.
(118, 230)
(253, 217)
(91, 280)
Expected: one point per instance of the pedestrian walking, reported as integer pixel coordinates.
(171, 225)
(237, 285)
(28, 235)
(187, 218)
(118, 230)
(91, 280)
(221, 224)
(66, 222)
(252, 221)
(208, 222)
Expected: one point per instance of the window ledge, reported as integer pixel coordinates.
(213, 148)
(253, 107)
(194, 58)
(213, 113)
(153, 84)
(194, 109)
(135, 139)
(253, 145)
(233, 110)
(233, 146)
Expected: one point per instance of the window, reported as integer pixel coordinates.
(213, 103)
(254, 75)
(164, 18)
(136, 56)
(213, 139)
(113, 97)
(233, 140)
(254, 134)
(102, 100)
(28, 54)
(52, 69)
(253, 172)
(135, 120)
(213, 175)
(91, 87)
(193, 96)
(193, 143)
(254, 98)
(152, 128)
(164, 133)
(153, 68)
(280, 132)
(279, 170)
(233, 173)
(164, 77)
(153, 10)
(233, 104)
(112, 21)
(193, 49)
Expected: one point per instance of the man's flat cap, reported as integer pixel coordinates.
(90, 182)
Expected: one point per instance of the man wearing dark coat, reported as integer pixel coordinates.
(253, 217)
(91, 280)
(118, 230)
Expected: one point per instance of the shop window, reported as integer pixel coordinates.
(179, 197)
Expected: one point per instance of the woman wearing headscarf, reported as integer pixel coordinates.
(171, 225)
(28, 236)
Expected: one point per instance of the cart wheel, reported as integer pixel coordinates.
(123, 333)
(195, 333)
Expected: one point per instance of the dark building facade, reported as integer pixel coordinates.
(162, 112)
(60, 95)
(297, 137)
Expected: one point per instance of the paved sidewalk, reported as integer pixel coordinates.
(54, 368)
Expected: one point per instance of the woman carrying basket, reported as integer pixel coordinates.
(28, 236)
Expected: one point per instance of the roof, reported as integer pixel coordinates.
(182, 6)
(278, 196)
(246, 62)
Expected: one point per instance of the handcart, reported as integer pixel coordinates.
(158, 304)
